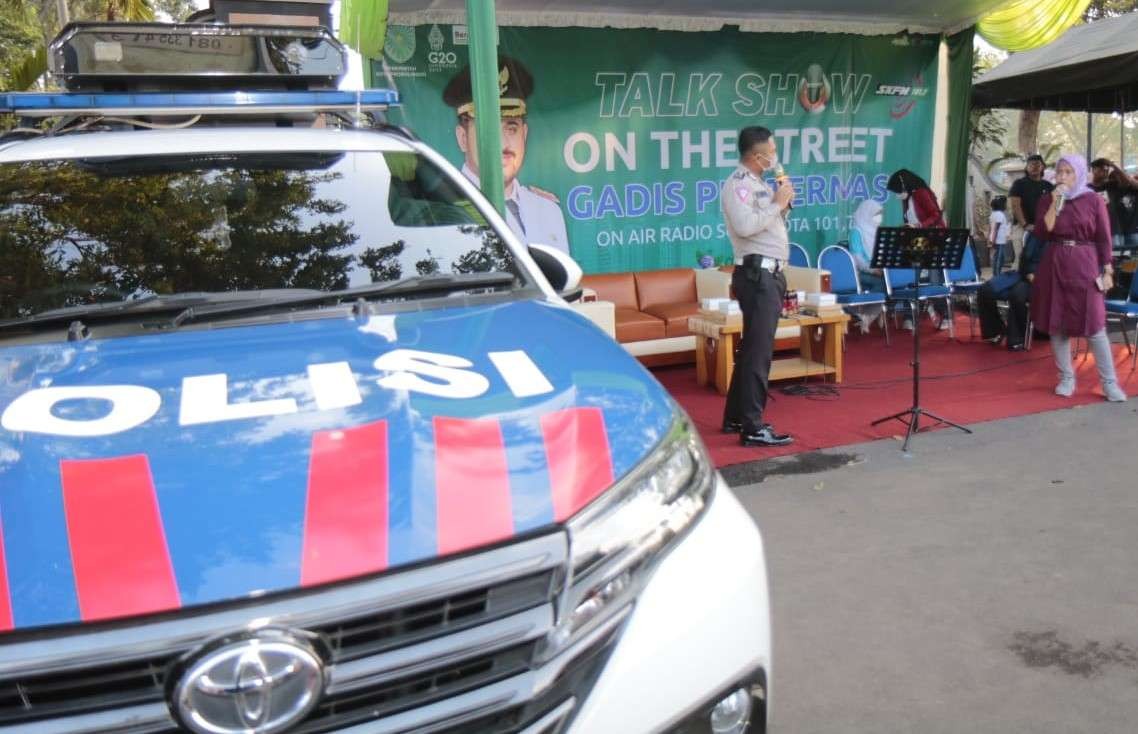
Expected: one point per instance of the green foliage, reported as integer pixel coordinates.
(22, 73)
(1099, 9)
(383, 262)
(27, 26)
(19, 41)
(111, 236)
(174, 10)
(987, 127)
(492, 256)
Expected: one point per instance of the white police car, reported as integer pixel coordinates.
(296, 436)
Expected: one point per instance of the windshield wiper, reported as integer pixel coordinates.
(144, 305)
(417, 284)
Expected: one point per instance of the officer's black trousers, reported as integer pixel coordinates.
(991, 325)
(760, 294)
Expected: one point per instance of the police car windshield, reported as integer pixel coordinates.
(88, 231)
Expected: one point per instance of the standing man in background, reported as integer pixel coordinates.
(1023, 197)
(754, 214)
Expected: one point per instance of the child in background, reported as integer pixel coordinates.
(998, 231)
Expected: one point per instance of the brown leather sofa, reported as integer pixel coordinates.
(651, 309)
(647, 312)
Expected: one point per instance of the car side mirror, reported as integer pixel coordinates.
(561, 270)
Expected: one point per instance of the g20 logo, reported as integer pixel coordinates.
(443, 58)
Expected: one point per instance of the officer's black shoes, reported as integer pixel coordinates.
(765, 436)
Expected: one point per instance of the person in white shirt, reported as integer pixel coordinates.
(862, 238)
(999, 230)
(534, 215)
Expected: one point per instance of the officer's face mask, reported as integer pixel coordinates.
(770, 162)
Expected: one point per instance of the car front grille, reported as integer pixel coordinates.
(436, 648)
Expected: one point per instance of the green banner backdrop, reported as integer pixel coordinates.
(633, 131)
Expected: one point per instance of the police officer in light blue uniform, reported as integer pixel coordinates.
(534, 215)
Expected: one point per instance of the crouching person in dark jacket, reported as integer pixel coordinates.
(1015, 288)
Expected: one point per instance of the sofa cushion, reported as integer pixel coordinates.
(620, 288)
(634, 326)
(663, 287)
(675, 316)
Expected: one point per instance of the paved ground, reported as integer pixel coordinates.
(983, 583)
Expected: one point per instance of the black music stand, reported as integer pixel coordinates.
(907, 247)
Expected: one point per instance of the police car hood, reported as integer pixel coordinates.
(147, 474)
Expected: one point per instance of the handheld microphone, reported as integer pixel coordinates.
(1059, 201)
(779, 177)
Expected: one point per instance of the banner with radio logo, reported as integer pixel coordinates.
(617, 141)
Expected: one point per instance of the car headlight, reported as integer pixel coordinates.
(615, 542)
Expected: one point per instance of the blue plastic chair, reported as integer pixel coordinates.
(799, 256)
(965, 281)
(1125, 311)
(845, 284)
(899, 286)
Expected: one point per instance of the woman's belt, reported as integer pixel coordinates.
(1070, 243)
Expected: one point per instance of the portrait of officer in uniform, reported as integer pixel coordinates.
(533, 214)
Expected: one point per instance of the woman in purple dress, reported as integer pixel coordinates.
(1067, 297)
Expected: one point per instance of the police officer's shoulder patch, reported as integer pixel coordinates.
(544, 194)
(740, 175)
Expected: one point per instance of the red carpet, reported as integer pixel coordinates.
(966, 381)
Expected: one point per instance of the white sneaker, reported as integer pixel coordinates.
(907, 324)
(1066, 387)
(1113, 392)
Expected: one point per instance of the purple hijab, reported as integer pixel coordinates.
(1079, 163)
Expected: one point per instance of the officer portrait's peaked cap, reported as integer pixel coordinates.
(515, 84)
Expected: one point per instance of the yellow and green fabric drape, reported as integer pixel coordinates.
(1026, 24)
(363, 25)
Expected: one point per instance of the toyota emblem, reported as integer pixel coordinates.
(259, 684)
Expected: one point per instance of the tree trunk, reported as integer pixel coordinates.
(1028, 132)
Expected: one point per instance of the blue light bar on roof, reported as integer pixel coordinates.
(47, 104)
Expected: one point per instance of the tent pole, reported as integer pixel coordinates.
(1090, 133)
(483, 38)
(1122, 139)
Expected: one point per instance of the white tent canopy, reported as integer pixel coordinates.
(865, 17)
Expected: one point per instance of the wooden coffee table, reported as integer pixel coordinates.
(715, 349)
